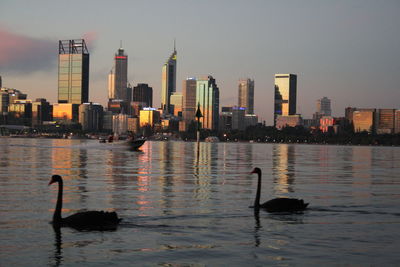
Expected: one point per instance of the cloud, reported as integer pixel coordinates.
(23, 54)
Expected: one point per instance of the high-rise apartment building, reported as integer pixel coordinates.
(73, 72)
(207, 95)
(118, 77)
(143, 93)
(168, 82)
(285, 95)
(246, 95)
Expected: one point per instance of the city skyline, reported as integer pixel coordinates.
(339, 50)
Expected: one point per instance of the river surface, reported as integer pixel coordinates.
(183, 208)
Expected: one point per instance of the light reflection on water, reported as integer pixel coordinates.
(183, 209)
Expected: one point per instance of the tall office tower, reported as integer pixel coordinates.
(189, 104)
(176, 101)
(111, 85)
(324, 106)
(1, 83)
(143, 93)
(118, 77)
(285, 95)
(246, 95)
(168, 82)
(73, 72)
(207, 95)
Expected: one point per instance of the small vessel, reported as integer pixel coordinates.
(135, 144)
(212, 139)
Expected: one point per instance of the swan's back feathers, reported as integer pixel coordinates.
(92, 220)
(284, 205)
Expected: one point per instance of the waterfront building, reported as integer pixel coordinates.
(66, 113)
(135, 107)
(91, 117)
(176, 100)
(118, 77)
(326, 123)
(363, 120)
(149, 117)
(207, 95)
(120, 124)
(288, 121)
(20, 112)
(323, 108)
(250, 120)
(238, 118)
(285, 95)
(107, 121)
(246, 95)
(41, 112)
(168, 82)
(73, 72)
(133, 125)
(143, 93)
(397, 121)
(385, 121)
(7, 97)
(225, 119)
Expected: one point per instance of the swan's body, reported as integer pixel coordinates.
(277, 204)
(88, 220)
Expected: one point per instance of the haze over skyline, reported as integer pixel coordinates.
(344, 50)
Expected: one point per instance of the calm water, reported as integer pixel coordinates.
(182, 210)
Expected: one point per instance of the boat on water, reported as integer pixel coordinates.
(135, 144)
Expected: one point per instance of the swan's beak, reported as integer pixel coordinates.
(51, 182)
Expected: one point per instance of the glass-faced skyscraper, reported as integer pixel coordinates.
(118, 79)
(246, 95)
(73, 72)
(285, 95)
(168, 82)
(207, 95)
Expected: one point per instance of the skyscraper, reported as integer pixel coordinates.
(285, 95)
(118, 79)
(324, 106)
(246, 95)
(143, 93)
(189, 104)
(73, 72)
(207, 95)
(168, 82)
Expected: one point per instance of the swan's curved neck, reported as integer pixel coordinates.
(257, 200)
(57, 212)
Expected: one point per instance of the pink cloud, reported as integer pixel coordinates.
(19, 53)
(25, 54)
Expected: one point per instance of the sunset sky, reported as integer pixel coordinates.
(347, 51)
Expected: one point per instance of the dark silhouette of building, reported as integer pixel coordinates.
(143, 93)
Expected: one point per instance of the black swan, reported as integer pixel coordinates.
(277, 204)
(88, 220)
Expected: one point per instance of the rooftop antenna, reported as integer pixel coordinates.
(120, 44)
(174, 44)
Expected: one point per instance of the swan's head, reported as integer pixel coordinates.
(55, 179)
(256, 170)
